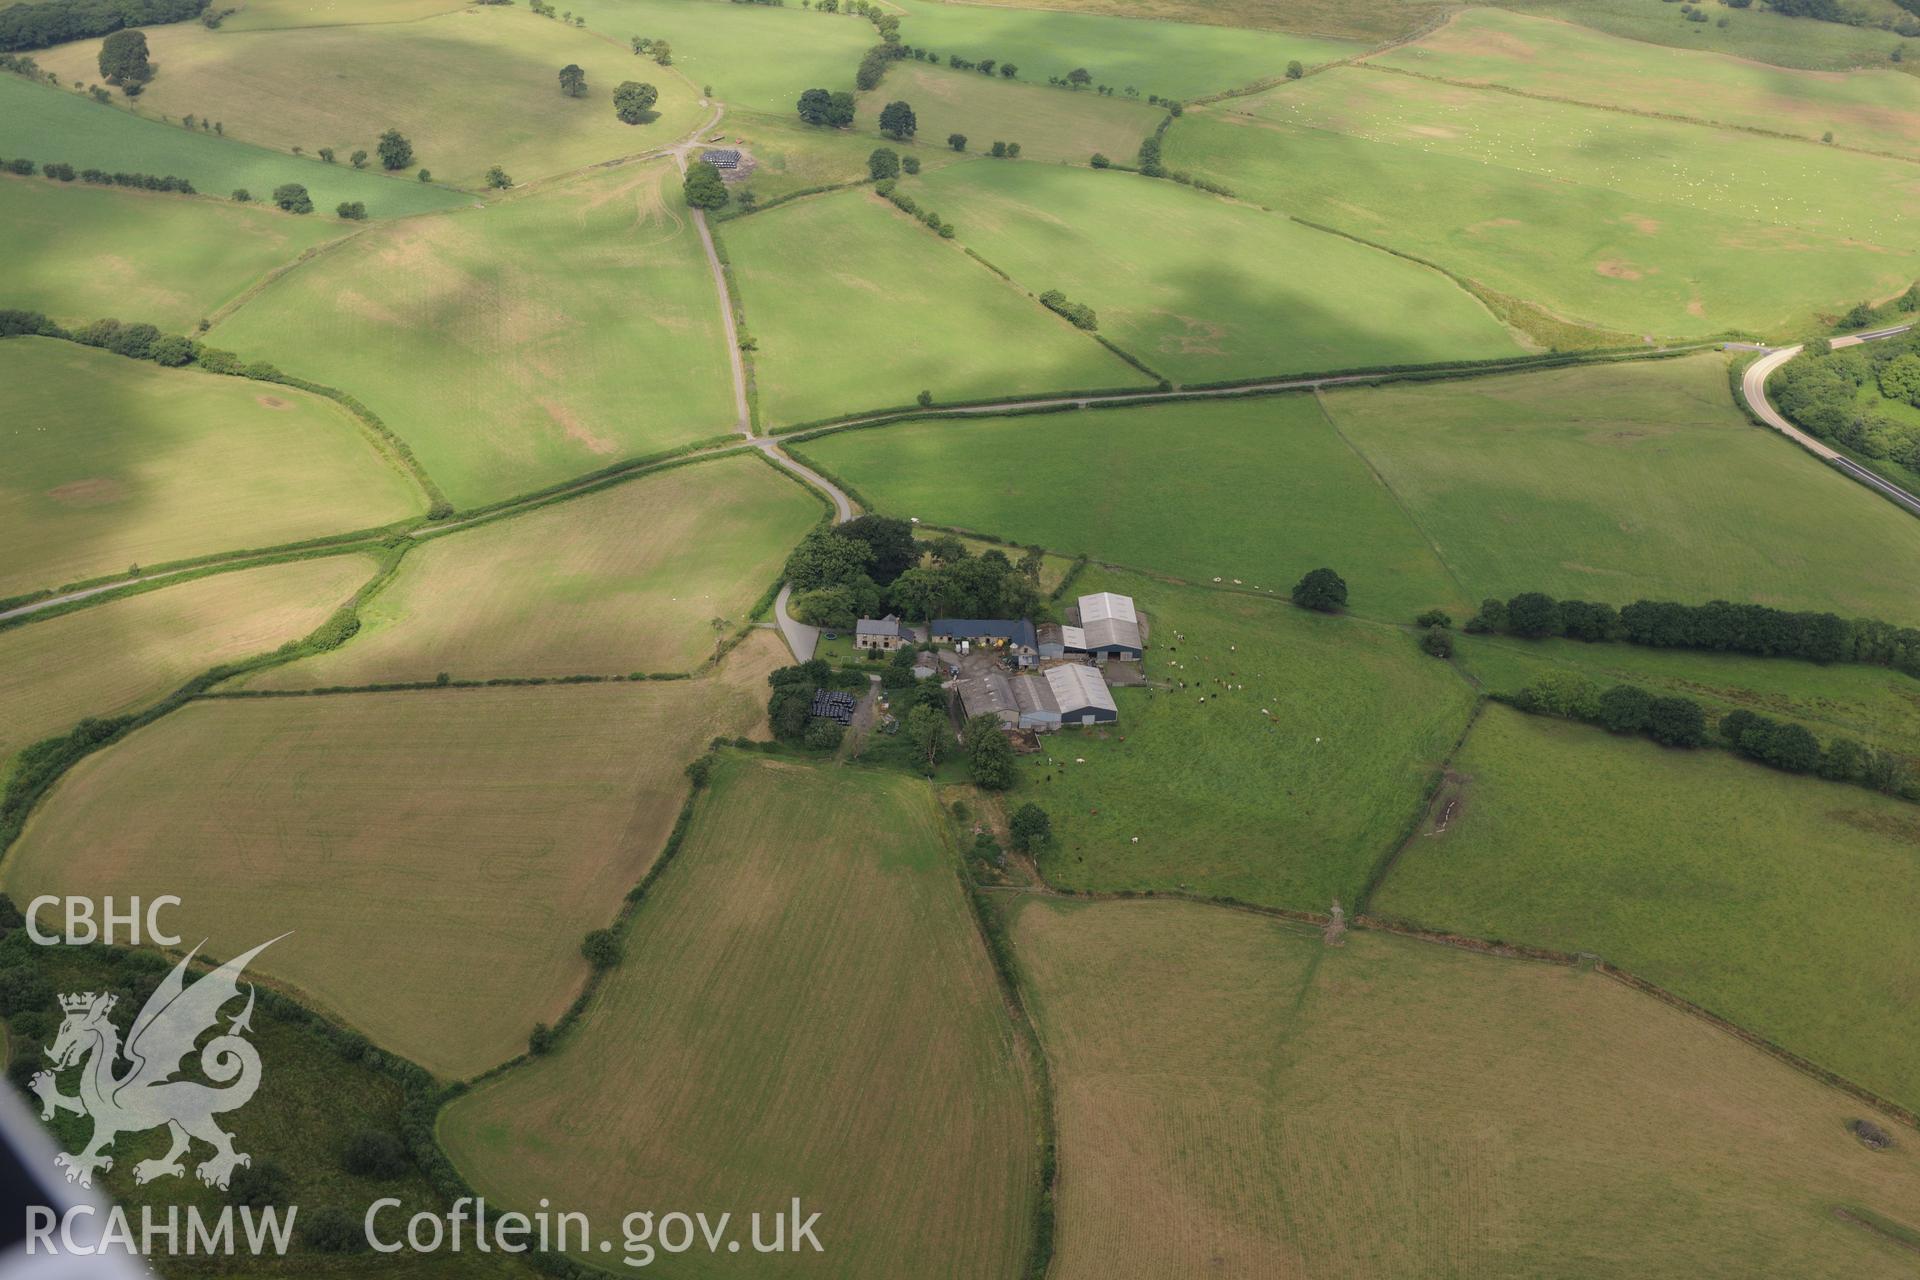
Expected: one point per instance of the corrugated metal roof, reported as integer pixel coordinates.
(1076, 688)
(1102, 605)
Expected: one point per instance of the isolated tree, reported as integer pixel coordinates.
(573, 81)
(1295, 70)
(1030, 827)
(395, 151)
(1079, 77)
(293, 197)
(909, 164)
(1101, 162)
(999, 149)
(424, 176)
(662, 53)
(326, 153)
(897, 121)
(352, 211)
(496, 178)
(241, 195)
(1322, 590)
(989, 754)
(703, 187)
(926, 729)
(1008, 71)
(123, 59)
(1013, 151)
(958, 141)
(633, 101)
(1437, 642)
(359, 159)
(883, 163)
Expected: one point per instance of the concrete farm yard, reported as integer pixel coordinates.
(1122, 639)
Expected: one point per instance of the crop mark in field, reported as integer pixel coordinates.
(97, 491)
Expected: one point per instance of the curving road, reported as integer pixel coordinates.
(801, 638)
(1753, 388)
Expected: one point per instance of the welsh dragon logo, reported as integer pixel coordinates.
(145, 1095)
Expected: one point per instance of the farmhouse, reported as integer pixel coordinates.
(882, 635)
(1109, 627)
(1016, 636)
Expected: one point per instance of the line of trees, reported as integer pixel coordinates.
(51, 22)
(1677, 721)
(1718, 626)
(60, 172)
(1079, 313)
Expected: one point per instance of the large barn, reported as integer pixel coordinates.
(1109, 627)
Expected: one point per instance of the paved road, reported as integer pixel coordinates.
(1753, 387)
(801, 638)
(742, 421)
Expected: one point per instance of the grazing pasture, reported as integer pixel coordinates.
(114, 658)
(1780, 902)
(1616, 482)
(1285, 754)
(271, 15)
(1049, 124)
(469, 90)
(803, 1009)
(1646, 226)
(1178, 60)
(1756, 33)
(757, 57)
(116, 462)
(1205, 290)
(1280, 492)
(1368, 22)
(80, 252)
(519, 345)
(1266, 1105)
(1874, 110)
(893, 311)
(649, 576)
(42, 123)
(438, 856)
(1877, 706)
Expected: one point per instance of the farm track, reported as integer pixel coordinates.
(1753, 388)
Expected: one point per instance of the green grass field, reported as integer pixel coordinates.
(1617, 482)
(1169, 59)
(269, 15)
(45, 124)
(121, 656)
(519, 345)
(1875, 110)
(1369, 21)
(804, 1009)
(894, 310)
(438, 856)
(1872, 704)
(469, 90)
(84, 252)
(1265, 1105)
(1645, 226)
(1280, 492)
(756, 57)
(1049, 124)
(117, 462)
(1779, 902)
(1755, 33)
(648, 576)
(1287, 754)
(1202, 289)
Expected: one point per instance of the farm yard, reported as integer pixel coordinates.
(1122, 639)
(816, 912)
(650, 576)
(116, 463)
